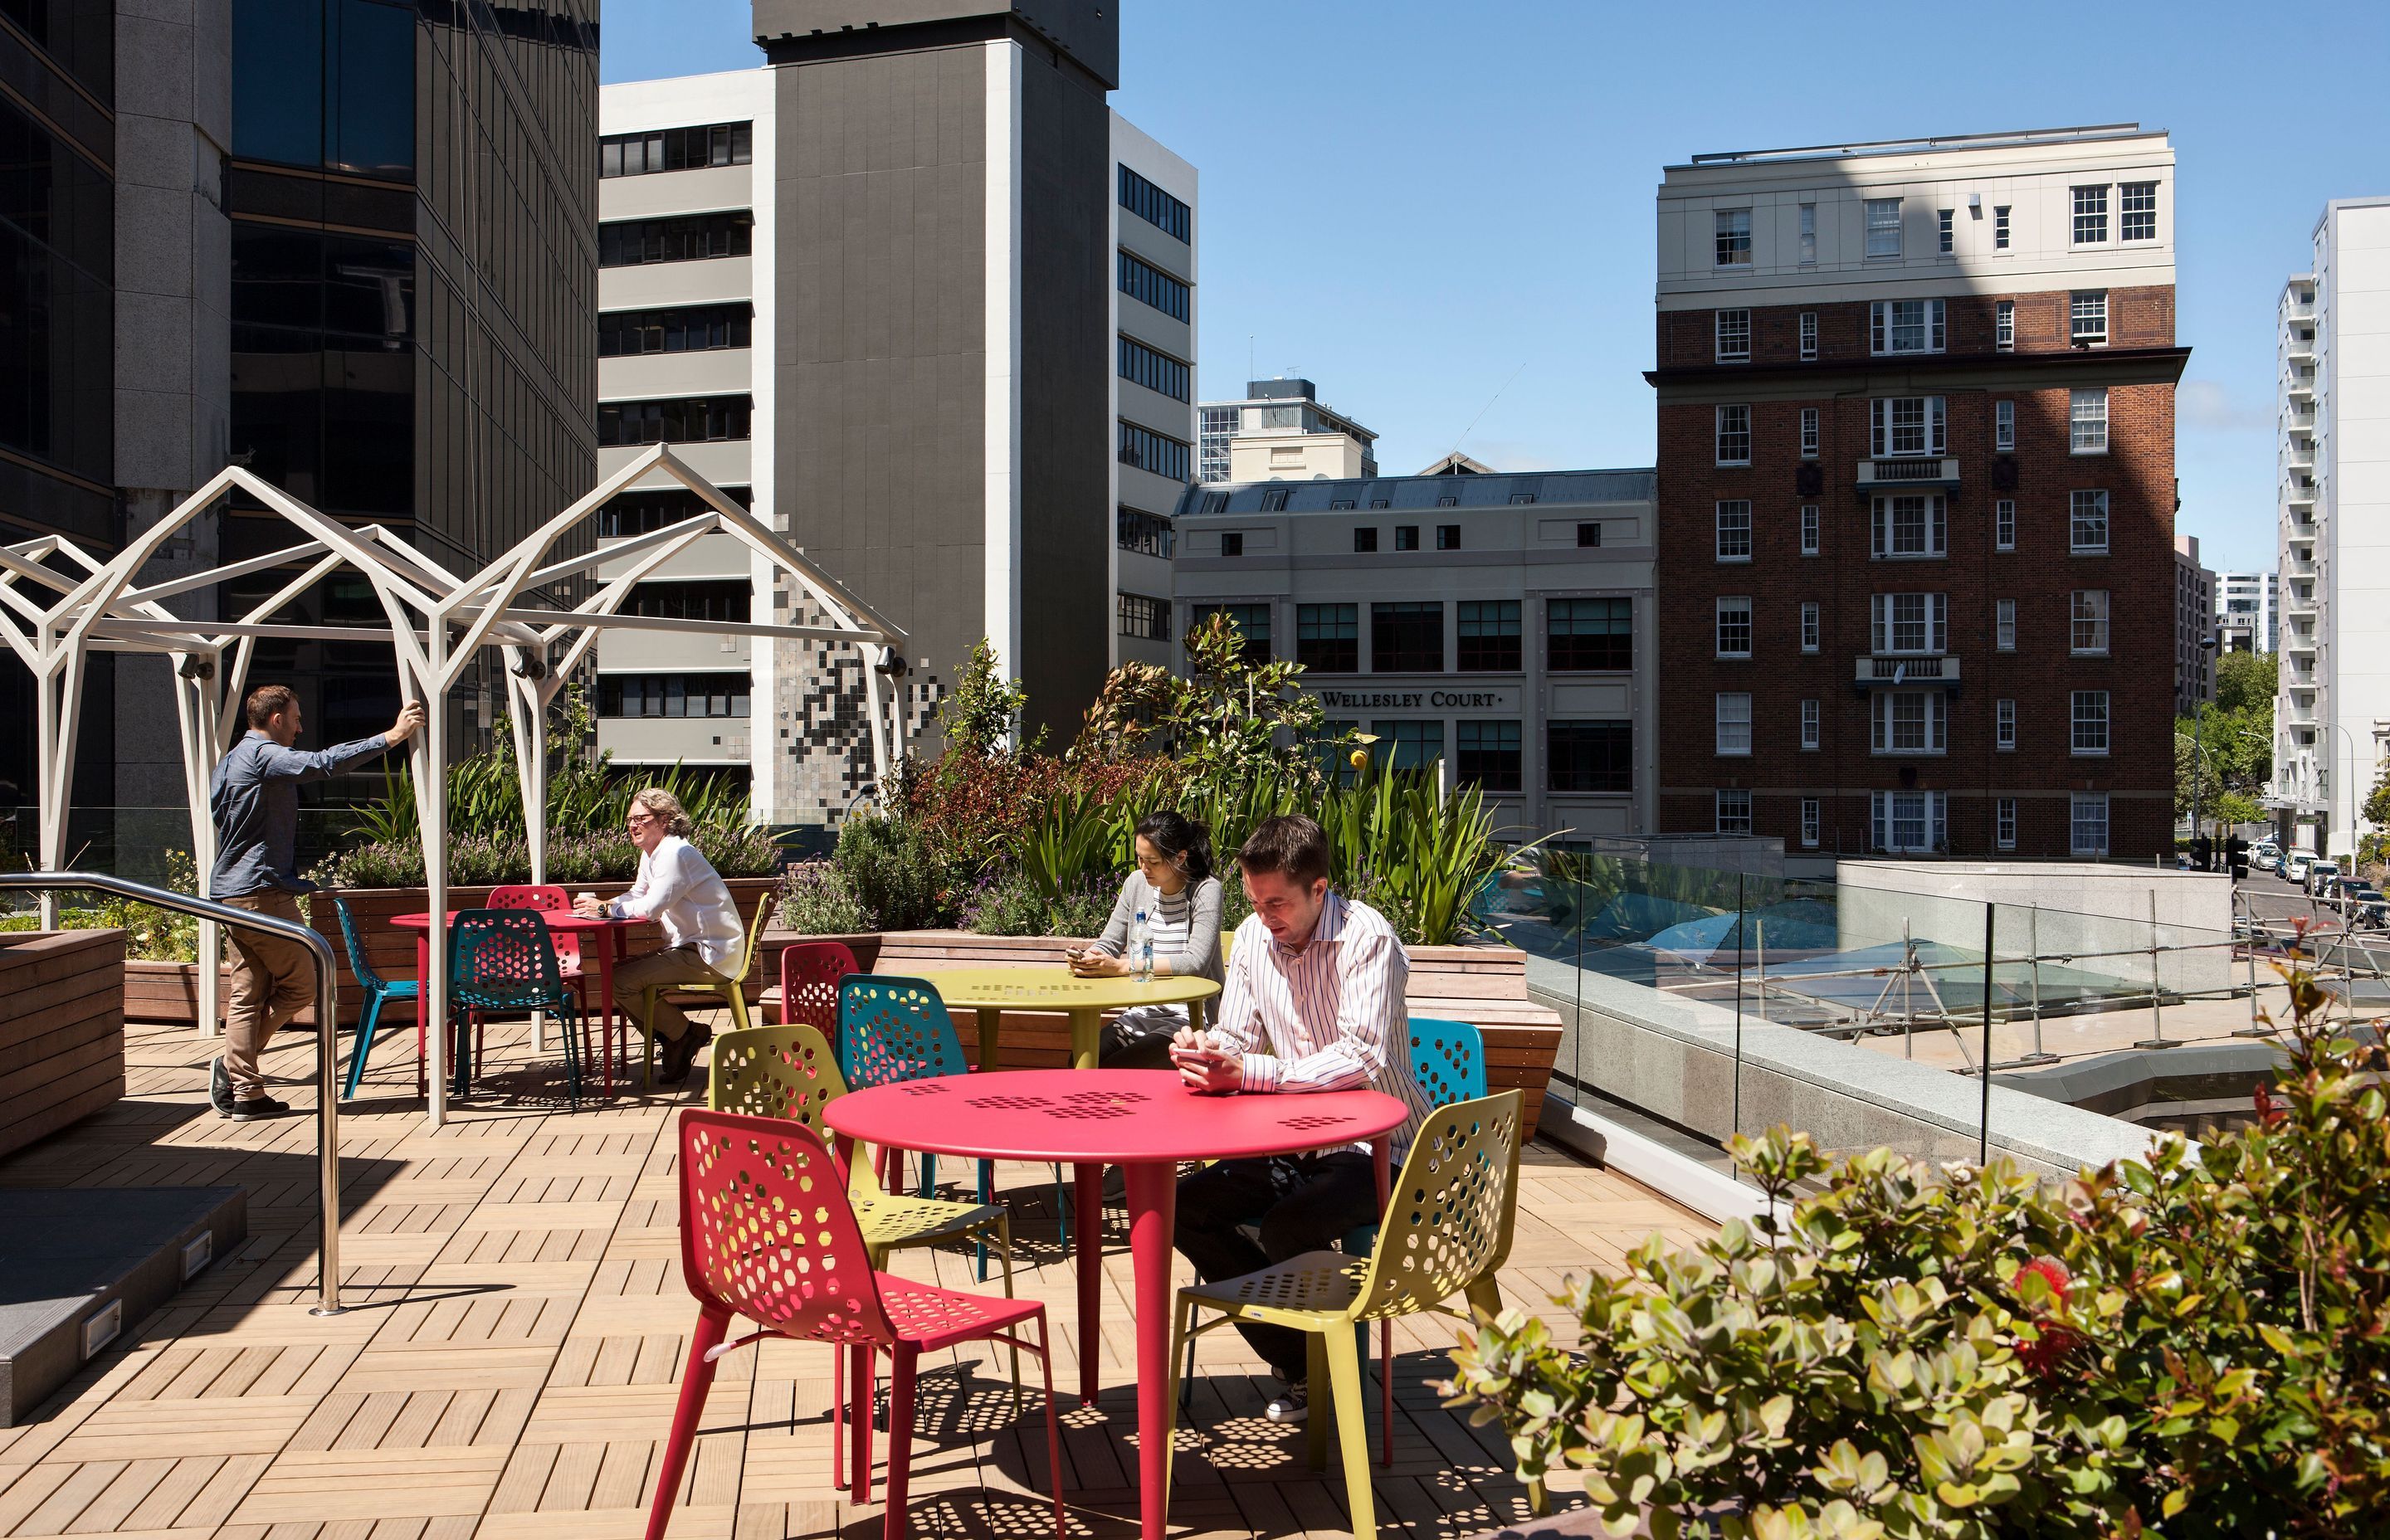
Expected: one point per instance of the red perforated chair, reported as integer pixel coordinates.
(765, 1232)
(809, 974)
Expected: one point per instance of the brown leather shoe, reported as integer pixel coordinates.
(673, 1059)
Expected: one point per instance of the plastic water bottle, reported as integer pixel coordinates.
(1140, 949)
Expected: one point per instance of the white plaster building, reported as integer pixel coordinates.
(1152, 380)
(1281, 432)
(2248, 610)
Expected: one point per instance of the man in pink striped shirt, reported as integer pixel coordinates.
(1312, 1002)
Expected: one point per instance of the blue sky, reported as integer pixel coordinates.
(1442, 214)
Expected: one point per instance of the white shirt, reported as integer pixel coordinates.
(679, 888)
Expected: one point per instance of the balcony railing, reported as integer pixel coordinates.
(1900, 669)
(1900, 472)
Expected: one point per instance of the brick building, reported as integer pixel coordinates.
(1917, 495)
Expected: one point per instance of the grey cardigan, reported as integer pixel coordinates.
(1201, 958)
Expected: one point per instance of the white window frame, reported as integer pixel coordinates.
(1890, 538)
(1812, 529)
(2004, 325)
(2004, 626)
(1925, 618)
(1926, 331)
(1908, 427)
(2086, 521)
(2004, 524)
(2126, 193)
(2087, 319)
(1733, 723)
(1733, 515)
(1999, 227)
(2004, 725)
(1813, 627)
(1882, 227)
(2087, 724)
(1738, 821)
(2086, 626)
(1731, 327)
(2004, 823)
(1923, 715)
(1809, 235)
(1809, 334)
(2004, 426)
(2089, 205)
(1733, 430)
(1728, 240)
(1812, 723)
(2086, 814)
(2087, 421)
(1811, 821)
(1928, 812)
(1811, 432)
(1734, 614)
(1946, 231)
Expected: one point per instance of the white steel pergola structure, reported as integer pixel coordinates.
(437, 621)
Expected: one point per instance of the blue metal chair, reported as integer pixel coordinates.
(505, 960)
(378, 990)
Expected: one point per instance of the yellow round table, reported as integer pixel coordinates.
(993, 990)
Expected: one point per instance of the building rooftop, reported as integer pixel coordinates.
(2007, 139)
(1424, 493)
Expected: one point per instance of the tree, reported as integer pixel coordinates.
(981, 715)
(2245, 682)
(1232, 718)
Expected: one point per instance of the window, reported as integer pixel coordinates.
(1489, 637)
(1488, 754)
(1170, 458)
(675, 149)
(1447, 501)
(1810, 820)
(1908, 622)
(730, 599)
(1157, 208)
(691, 328)
(2087, 421)
(1808, 234)
(1809, 433)
(1148, 534)
(2087, 823)
(1909, 722)
(1734, 435)
(1734, 531)
(1409, 745)
(632, 513)
(2087, 522)
(1945, 229)
(1907, 427)
(1809, 334)
(2088, 629)
(1733, 336)
(1365, 538)
(1521, 499)
(2004, 626)
(2090, 723)
(1734, 723)
(1589, 756)
(2004, 524)
(689, 420)
(1909, 524)
(1214, 502)
(1588, 534)
(2004, 325)
(1156, 371)
(1381, 503)
(1407, 537)
(2088, 318)
(2004, 725)
(1145, 617)
(1586, 634)
(1812, 715)
(2004, 425)
(1336, 502)
(2137, 204)
(2090, 216)
(1811, 530)
(1274, 500)
(1328, 637)
(715, 694)
(1447, 537)
(690, 237)
(1907, 326)
(1884, 226)
(1909, 823)
(1734, 811)
(1733, 237)
(1407, 638)
(1142, 280)
(2004, 823)
(1812, 627)
(1232, 542)
(1734, 627)
(1999, 227)
(1252, 623)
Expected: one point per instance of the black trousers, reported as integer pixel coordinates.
(1301, 1203)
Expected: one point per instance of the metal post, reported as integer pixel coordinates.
(1738, 1000)
(1908, 1001)
(1983, 1143)
(2157, 1013)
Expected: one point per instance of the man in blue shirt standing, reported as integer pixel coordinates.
(255, 799)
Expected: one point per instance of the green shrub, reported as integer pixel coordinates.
(891, 868)
(1014, 906)
(477, 861)
(816, 901)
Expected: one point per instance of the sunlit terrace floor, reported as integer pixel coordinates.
(508, 1365)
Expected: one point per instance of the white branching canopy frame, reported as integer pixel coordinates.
(54, 620)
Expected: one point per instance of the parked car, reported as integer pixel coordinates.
(2367, 907)
(2294, 865)
(2321, 876)
(2266, 856)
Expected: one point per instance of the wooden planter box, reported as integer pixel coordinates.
(61, 1030)
(1484, 985)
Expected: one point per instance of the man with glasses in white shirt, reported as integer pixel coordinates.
(677, 888)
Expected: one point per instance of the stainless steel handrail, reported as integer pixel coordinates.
(328, 1113)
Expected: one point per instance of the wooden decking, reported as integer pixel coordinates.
(509, 1364)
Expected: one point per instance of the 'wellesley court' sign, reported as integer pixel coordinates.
(1493, 701)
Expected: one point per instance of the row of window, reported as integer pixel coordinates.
(686, 328)
(630, 513)
(1917, 823)
(1165, 456)
(1914, 525)
(675, 149)
(702, 599)
(1917, 426)
(1406, 636)
(681, 237)
(1594, 756)
(2137, 210)
(1918, 624)
(1157, 208)
(1149, 533)
(717, 695)
(685, 419)
(1916, 325)
(1141, 280)
(1156, 371)
(1915, 722)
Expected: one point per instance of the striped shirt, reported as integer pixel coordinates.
(1327, 1018)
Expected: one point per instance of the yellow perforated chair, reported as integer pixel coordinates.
(733, 989)
(1447, 1231)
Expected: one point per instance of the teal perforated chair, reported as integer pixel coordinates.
(378, 991)
(503, 960)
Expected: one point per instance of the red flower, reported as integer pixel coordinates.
(2049, 1349)
(2269, 1112)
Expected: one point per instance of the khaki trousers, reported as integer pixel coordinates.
(273, 980)
(670, 965)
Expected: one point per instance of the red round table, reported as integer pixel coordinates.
(1144, 1121)
(609, 952)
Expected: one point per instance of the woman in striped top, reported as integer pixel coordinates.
(1174, 887)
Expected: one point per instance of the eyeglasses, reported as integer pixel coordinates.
(636, 819)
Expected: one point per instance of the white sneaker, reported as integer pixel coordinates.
(1291, 1404)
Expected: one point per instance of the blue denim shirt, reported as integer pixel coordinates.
(256, 801)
